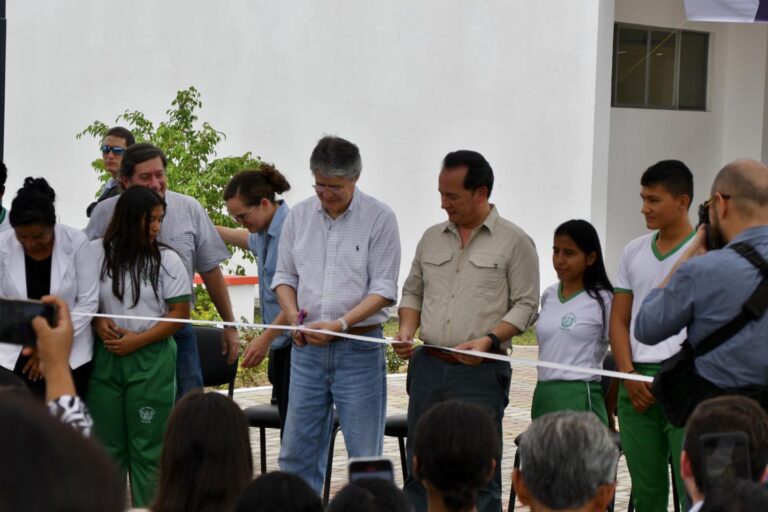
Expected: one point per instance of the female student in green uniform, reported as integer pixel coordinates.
(572, 327)
(133, 384)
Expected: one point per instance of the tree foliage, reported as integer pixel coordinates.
(191, 150)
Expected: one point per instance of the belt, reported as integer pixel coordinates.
(362, 329)
(449, 357)
(443, 355)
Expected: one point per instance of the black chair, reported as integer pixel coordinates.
(397, 426)
(263, 417)
(216, 370)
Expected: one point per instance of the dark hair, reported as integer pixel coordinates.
(584, 235)
(254, 185)
(137, 154)
(736, 496)
(206, 461)
(123, 133)
(126, 243)
(3, 175)
(49, 467)
(370, 495)
(33, 204)
(727, 414)
(455, 463)
(334, 156)
(276, 490)
(479, 172)
(673, 175)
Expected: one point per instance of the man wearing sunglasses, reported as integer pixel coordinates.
(710, 284)
(112, 148)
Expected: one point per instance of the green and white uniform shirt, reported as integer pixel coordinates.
(173, 287)
(572, 332)
(642, 268)
(4, 223)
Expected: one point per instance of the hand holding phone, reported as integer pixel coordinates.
(16, 317)
(371, 467)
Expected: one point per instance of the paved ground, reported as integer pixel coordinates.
(516, 420)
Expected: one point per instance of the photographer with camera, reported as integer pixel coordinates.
(719, 296)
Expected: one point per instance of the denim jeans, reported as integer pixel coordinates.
(189, 374)
(349, 375)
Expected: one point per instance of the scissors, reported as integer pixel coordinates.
(300, 320)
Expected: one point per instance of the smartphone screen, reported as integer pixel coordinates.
(725, 456)
(16, 320)
(374, 467)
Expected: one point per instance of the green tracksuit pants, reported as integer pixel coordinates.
(649, 441)
(568, 395)
(130, 399)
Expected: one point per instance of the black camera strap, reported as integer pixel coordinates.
(752, 309)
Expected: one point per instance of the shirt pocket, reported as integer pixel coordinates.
(184, 245)
(436, 269)
(488, 272)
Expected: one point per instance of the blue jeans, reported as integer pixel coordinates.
(348, 374)
(189, 374)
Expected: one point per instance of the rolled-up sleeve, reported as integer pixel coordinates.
(285, 272)
(210, 249)
(665, 311)
(384, 260)
(523, 279)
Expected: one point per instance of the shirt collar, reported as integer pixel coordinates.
(750, 234)
(489, 223)
(352, 205)
(277, 219)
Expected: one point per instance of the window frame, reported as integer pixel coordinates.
(678, 35)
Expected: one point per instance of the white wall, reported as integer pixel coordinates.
(731, 127)
(407, 81)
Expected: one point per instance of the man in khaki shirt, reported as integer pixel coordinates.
(473, 284)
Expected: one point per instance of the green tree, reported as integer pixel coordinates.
(191, 150)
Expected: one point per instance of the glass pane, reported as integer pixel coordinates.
(694, 49)
(661, 69)
(630, 66)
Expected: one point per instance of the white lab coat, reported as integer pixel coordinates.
(74, 278)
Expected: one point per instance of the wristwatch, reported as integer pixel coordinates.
(344, 324)
(495, 342)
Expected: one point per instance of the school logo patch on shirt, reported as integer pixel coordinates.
(146, 414)
(567, 321)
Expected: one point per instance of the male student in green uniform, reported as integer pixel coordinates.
(647, 438)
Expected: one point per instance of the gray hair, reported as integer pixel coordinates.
(565, 457)
(334, 156)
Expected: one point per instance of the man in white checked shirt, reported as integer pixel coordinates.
(338, 263)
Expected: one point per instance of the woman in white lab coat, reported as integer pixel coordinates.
(39, 257)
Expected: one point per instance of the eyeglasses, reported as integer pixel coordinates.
(333, 189)
(242, 217)
(704, 207)
(116, 150)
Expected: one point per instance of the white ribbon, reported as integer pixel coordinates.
(384, 341)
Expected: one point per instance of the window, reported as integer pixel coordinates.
(659, 68)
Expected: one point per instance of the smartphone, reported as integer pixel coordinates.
(16, 320)
(725, 456)
(371, 467)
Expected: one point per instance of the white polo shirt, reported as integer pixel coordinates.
(641, 269)
(572, 332)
